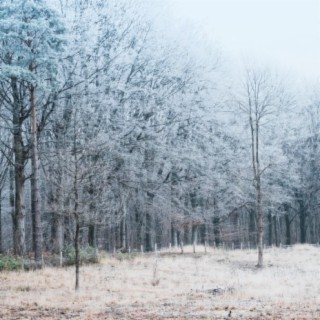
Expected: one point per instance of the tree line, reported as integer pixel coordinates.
(116, 135)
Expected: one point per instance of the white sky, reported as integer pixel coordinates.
(285, 33)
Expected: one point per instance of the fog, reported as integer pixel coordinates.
(283, 33)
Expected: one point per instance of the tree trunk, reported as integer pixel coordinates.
(58, 221)
(75, 211)
(174, 237)
(270, 228)
(252, 227)
(92, 235)
(148, 235)
(1, 243)
(203, 233)
(195, 235)
(258, 197)
(77, 253)
(18, 218)
(302, 216)
(19, 215)
(11, 187)
(36, 214)
(57, 233)
(287, 223)
(11, 199)
(123, 232)
(58, 218)
(260, 224)
(254, 125)
(216, 230)
(288, 231)
(317, 225)
(276, 231)
(33, 218)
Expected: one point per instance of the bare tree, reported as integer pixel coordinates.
(262, 96)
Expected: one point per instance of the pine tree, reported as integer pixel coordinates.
(32, 38)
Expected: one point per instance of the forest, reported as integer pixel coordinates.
(118, 135)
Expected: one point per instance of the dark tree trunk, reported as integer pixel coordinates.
(36, 214)
(77, 253)
(11, 199)
(75, 211)
(123, 234)
(92, 235)
(288, 231)
(276, 231)
(33, 218)
(18, 217)
(195, 235)
(260, 224)
(252, 228)
(203, 233)
(174, 236)
(1, 243)
(303, 227)
(270, 229)
(148, 234)
(216, 230)
(11, 188)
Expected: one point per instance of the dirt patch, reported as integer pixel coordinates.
(34, 311)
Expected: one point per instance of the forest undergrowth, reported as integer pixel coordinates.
(217, 285)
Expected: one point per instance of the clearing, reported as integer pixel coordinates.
(217, 285)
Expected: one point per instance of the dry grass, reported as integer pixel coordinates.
(172, 286)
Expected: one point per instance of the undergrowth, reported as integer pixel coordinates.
(88, 255)
(10, 263)
(125, 256)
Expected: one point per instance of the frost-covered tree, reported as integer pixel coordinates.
(32, 39)
(141, 93)
(303, 152)
(261, 99)
(146, 106)
(4, 173)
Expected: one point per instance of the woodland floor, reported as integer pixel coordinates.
(218, 285)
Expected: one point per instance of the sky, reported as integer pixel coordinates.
(283, 33)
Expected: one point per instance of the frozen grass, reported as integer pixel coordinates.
(172, 286)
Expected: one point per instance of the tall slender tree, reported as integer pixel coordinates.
(262, 98)
(32, 38)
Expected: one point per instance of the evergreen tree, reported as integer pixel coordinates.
(32, 39)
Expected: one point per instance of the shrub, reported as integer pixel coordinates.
(87, 255)
(10, 263)
(125, 256)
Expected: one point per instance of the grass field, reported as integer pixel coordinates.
(217, 285)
